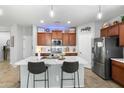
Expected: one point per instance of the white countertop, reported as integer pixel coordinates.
(51, 61)
(118, 59)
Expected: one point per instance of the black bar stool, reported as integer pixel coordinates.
(70, 67)
(38, 68)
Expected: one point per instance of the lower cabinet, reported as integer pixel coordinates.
(118, 72)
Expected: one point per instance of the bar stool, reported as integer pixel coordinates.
(72, 68)
(38, 68)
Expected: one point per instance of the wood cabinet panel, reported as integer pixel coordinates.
(65, 39)
(104, 32)
(44, 39)
(72, 39)
(117, 72)
(121, 34)
(57, 34)
(70, 54)
(114, 30)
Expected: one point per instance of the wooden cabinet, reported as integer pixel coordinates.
(65, 39)
(44, 39)
(72, 39)
(121, 34)
(113, 30)
(104, 32)
(117, 72)
(57, 34)
(70, 54)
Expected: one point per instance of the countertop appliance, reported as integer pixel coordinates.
(103, 50)
(56, 42)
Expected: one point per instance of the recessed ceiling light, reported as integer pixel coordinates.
(68, 22)
(41, 21)
(1, 12)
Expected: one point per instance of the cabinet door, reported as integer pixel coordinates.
(40, 39)
(117, 70)
(121, 34)
(104, 32)
(44, 39)
(48, 39)
(114, 30)
(72, 39)
(57, 34)
(65, 39)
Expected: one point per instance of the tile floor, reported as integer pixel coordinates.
(9, 78)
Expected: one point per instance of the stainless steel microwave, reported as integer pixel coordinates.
(56, 42)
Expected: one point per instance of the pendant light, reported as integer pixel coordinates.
(99, 14)
(52, 14)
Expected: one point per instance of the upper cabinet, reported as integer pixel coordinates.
(110, 31)
(44, 39)
(114, 30)
(65, 39)
(104, 32)
(56, 34)
(68, 37)
(72, 39)
(121, 34)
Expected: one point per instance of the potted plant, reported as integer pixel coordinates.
(122, 18)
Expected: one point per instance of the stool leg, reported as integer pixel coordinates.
(48, 78)
(28, 79)
(33, 81)
(45, 79)
(74, 79)
(61, 79)
(78, 79)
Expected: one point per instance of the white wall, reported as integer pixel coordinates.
(22, 40)
(4, 36)
(27, 41)
(34, 37)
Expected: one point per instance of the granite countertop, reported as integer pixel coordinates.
(118, 59)
(51, 61)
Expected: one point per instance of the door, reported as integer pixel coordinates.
(84, 47)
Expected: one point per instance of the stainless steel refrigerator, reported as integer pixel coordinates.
(103, 50)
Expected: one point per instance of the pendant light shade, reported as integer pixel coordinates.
(99, 14)
(52, 14)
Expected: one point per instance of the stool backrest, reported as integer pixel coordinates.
(36, 67)
(70, 67)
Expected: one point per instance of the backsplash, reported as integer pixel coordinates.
(47, 49)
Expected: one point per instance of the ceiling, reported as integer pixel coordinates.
(77, 14)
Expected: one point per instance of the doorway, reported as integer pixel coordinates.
(4, 46)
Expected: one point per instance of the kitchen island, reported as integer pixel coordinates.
(54, 67)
